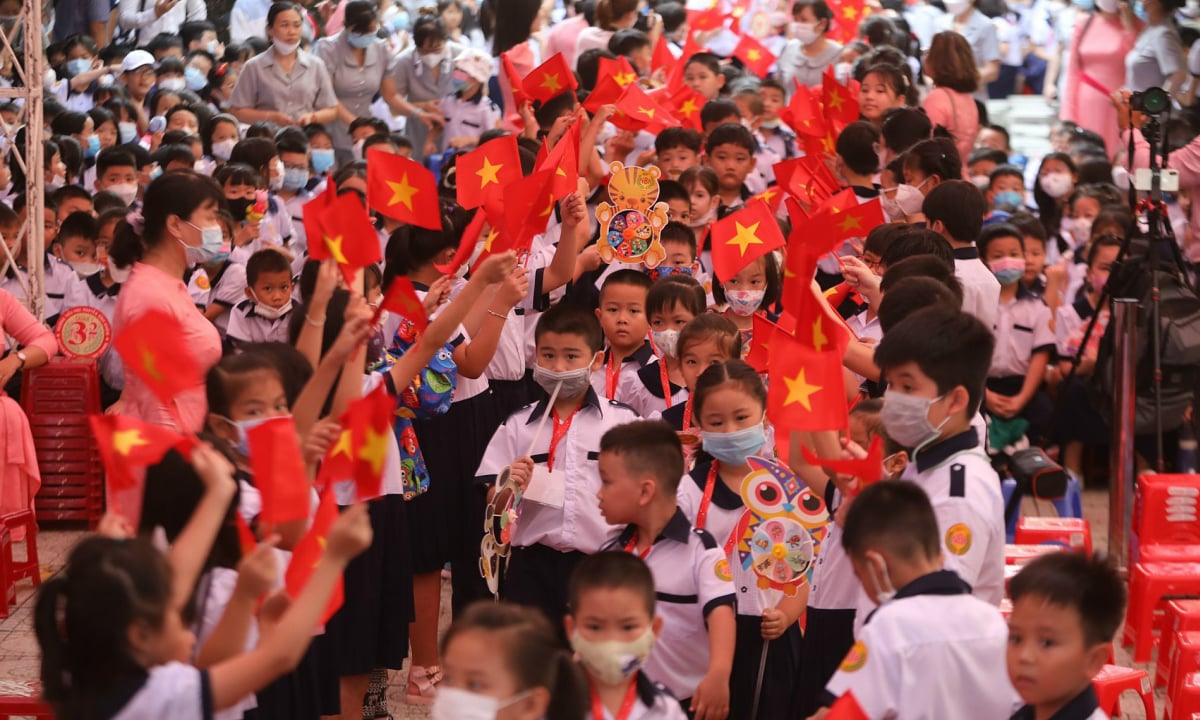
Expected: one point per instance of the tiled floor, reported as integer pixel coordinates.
(19, 652)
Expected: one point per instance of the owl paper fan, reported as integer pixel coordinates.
(782, 528)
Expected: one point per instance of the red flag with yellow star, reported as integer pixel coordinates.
(690, 48)
(857, 220)
(312, 216)
(528, 206)
(151, 348)
(563, 160)
(606, 92)
(686, 104)
(346, 235)
(402, 189)
(743, 237)
(550, 79)
(761, 333)
(805, 389)
(487, 169)
(639, 111)
(868, 470)
(703, 20)
(840, 101)
(514, 79)
(308, 552)
(401, 299)
(279, 472)
(754, 55)
(846, 19)
(370, 421)
(772, 196)
(126, 443)
(663, 57)
(619, 70)
(804, 113)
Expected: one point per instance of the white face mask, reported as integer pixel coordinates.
(118, 274)
(173, 84)
(1108, 6)
(878, 571)
(356, 150)
(266, 311)
(222, 149)
(905, 200)
(906, 419)
(126, 191)
(744, 302)
(806, 33)
(574, 382)
(981, 181)
(1078, 229)
(458, 704)
(957, 7)
(666, 341)
(612, 662)
(843, 72)
(433, 60)
(55, 182)
(284, 48)
(86, 270)
(1056, 184)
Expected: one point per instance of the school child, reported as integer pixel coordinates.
(701, 182)
(1066, 609)
(220, 284)
(729, 408)
(634, 45)
(927, 621)
(672, 303)
(117, 172)
(1006, 190)
(127, 651)
(640, 467)
(981, 163)
(679, 202)
(865, 423)
(1078, 424)
(935, 362)
(702, 73)
(75, 244)
(294, 191)
(265, 314)
(58, 275)
(883, 87)
(755, 287)
(505, 661)
(622, 315)
(1038, 277)
(709, 339)
(546, 546)
(856, 163)
(1024, 341)
(469, 112)
(729, 151)
(677, 149)
(97, 290)
(679, 242)
(241, 185)
(275, 225)
(777, 136)
(613, 629)
(955, 209)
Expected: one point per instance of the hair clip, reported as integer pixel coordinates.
(135, 220)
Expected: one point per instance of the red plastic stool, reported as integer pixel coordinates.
(1180, 616)
(1114, 681)
(1072, 533)
(1149, 583)
(22, 699)
(1021, 554)
(29, 568)
(1185, 704)
(1184, 659)
(8, 591)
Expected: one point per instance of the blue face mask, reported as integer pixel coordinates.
(127, 131)
(322, 160)
(243, 432)
(156, 173)
(1009, 199)
(294, 178)
(1086, 5)
(733, 448)
(400, 22)
(1140, 11)
(212, 243)
(93, 146)
(78, 66)
(361, 41)
(196, 81)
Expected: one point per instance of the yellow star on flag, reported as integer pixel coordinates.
(753, 55)
(549, 207)
(745, 237)
(827, 144)
(491, 238)
(150, 364)
(849, 222)
(688, 108)
(836, 101)
(126, 440)
(648, 112)
(800, 391)
(850, 13)
(624, 79)
(550, 82)
(374, 450)
(818, 335)
(768, 195)
(402, 192)
(335, 249)
(343, 446)
(487, 173)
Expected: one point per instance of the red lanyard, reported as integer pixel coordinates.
(631, 547)
(709, 484)
(612, 376)
(687, 413)
(626, 704)
(558, 431)
(666, 380)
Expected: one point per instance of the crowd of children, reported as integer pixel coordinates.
(599, 417)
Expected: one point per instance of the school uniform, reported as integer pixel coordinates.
(643, 390)
(1022, 330)
(1076, 419)
(469, 117)
(173, 690)
(652, 702)
(829, 268)
(981, 289)
(549, 541)
(92, 293)
(965, 493)
(226, 287)
(688, 584)
(781, 143)
(1085, 706)
(607, 379)
(932, 651)
(246, 325)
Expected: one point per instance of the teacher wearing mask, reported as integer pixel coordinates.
(1096, 68)
(424, 74)
(809, 52)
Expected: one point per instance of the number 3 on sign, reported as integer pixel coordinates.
(83, 332)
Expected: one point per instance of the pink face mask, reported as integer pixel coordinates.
(1099, 279)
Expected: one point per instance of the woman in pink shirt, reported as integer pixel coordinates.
(1096, 68)
(176, 229)
(516, 32)
(951, 104)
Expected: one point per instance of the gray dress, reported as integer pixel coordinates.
(264, 86)
(1157, 55)
(355, 86)
(794, 64)
(415, 83)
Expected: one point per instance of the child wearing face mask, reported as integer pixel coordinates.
(219, 285)
(469, 112)
(702, 184)
(672, 303)
(613, 628)
(506, 662)
(729, 407)
(265, 314)
(1055, 181)
(927, 621)
(755, 287)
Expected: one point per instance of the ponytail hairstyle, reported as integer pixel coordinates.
(82, 619)
(178, 193)
(903, 127)
(935, 156)
(731, 372)
(609, 11)
(892, 74)
(531, 652)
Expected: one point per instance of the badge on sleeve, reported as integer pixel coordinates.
(958, 539)
(855, 659)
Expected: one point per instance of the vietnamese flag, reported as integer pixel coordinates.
(868, 470)
(528, 205)
(401, 299)
(754, 55)
(846, 19)
(804, 113)
(563, 159)
(686, 103)
(154, 349)
(619, 70)
(703, 20)
(246, 539)
(279, 473)
(805, 388)
(761, 333)
(347, 235)
(487, 169)
(690, 48)
(772, 196)
(313, 209)
(858, 220)
(606, 92)
(840, 101)
(466, 244)
(663, 57)
(338, 463)
(308, 553)
(550, 79)
(514, 80)
(743, 237)
(403, 190)
(639, 111)
(370, 421)
(126, 443)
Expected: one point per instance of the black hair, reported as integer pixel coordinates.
(235, 174)
(173, 193)
(546, 113)
(267, 260)
(293, 366)
(512, 26)
(903, 127)
(70, 192)
(163, 41)
(1029, 226)
(1086, 583)
(77, 224)
(731, 134)
(1095, 170)
(360, 15)
(68, 123)
(255, 152)
(893, 516)
(428, 28)
(995, 231)
(71, 153)
(292, 140)
(648, 447)
(626, 41)
(910, 290)
(672, 290)
(936, 156)
(959, 206)
(1104, 193)
(280, 7)
(711, 326)
(1105, 240)
(985, 154)
(669, 190)
(736, 372)
(678, 232)
(774, 278)
(879, 30)
(856, 147)
(411, 247)
(587, 67)
(1004, 170)
(611, 570)
(563, 319)
(820, 9)
(951, 347)
(1048, 208)
(627, 276)
(193, 30)
(174, 152)
(674, 137)
(718, 110)
(230, 377)
(261, 129)
(608, 11)
(673, 15)
(881, 237)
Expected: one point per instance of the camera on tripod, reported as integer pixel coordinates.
(1153, 102)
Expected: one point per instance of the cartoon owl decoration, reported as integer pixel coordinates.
(630, 225)
(782, 528)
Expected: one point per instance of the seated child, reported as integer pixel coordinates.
(265, 315)
(613, 629)
(75, 244)
(96, 290)
(219, 285)
(1006, 189)
(640, 467)
(622, 315)
(927, 620)
(672, 303)
(1066, 609)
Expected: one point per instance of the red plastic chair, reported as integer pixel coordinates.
(1185, 704)
(1166, 512)
(1113, 681)
(1021, 554)
(29, 568)
(1072, 533)
(1180, 616)
(1149, 583)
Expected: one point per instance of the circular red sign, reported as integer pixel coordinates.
(83, 332)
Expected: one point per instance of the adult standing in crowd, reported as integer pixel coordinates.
(150, 19)
(806, 56)
(1096, 68)
(424, 74)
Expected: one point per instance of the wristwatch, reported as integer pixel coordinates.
(22, 357)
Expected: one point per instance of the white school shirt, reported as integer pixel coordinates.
(834, 584)
(578, 525)
(173, 690)
(641, 358)
(965, 493)
(932, 651)
(981, 289)
(246, 325)
(468, 118)
(653, 702)
(213, 594)
(643, 390)
(92, 293)
(688, 585)
(226, 288)
(1022, 329)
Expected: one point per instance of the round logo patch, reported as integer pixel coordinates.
(202, 282)
(722, 571)
(855, 659)
(958, 539)
(83, 332)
